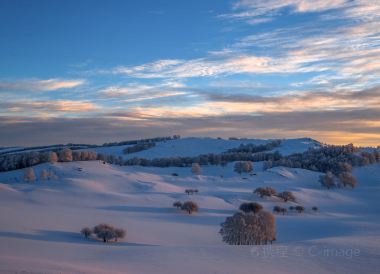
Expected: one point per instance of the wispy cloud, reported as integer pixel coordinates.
(40, 85)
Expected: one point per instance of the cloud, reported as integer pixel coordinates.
(360, 126)
(40, 85)
(46, 108)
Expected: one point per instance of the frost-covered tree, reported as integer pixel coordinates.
(44, 175)
(190, 207)
(65, 155)
(243, 166)
(29, 175)
(196, 169)
(287, 196)
(251, 207)
(327, 180)
(249, 229)
(52, 157)
(86, 232)
(346, 179)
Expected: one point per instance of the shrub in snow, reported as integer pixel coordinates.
(346, 179)
(279, 209)
(291, 208)
(314, 208)
(86, 232)
(300, 209)
(29, 175)
(196, 169)
(327, 180)
(249, 229)
(287, 196)
(177, 204)
(190, 207)
(107, 232)
(251, 207)
(243, 166)
(265, 191)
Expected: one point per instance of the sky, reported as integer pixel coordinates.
(101, 71)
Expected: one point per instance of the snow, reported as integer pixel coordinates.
(40, 225)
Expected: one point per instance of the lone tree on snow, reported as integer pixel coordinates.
(251, 207)
(190, 207)
(29, 175)
(249, 229)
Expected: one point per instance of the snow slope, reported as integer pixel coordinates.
(40, 225)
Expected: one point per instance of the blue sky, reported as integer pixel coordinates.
(97, 71)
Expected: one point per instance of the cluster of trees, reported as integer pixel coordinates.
(297, 208)
(205, 159)
(142, 141)
(243, 166)
(249, 229)
(335, 159)
(188, 206)
(138, 147)
(27, 159)
(269, 191)
(104, 232)
(344, 179)
(252, 148)
(265, 191)
(279, 209)
(191, 191)
(30, 176)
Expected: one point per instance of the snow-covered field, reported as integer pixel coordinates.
(40, 222)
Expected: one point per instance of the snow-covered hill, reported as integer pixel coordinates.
(194, 146)
(39, 231)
